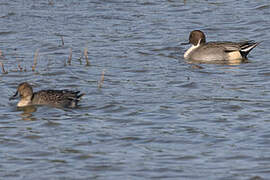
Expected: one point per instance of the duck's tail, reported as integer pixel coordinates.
(247, 46)
(79, 96)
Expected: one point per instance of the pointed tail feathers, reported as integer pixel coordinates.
(247, 46)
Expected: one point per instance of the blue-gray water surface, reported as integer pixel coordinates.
(155, 116)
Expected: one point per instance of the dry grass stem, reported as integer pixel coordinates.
(70, 57)
(85, 53)
(35, 60)
(3, 68)
(101, 79)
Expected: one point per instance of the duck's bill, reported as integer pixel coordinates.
(185, 43)
(14, 96)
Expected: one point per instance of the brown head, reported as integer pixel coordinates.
(24, 89)
(196, 37)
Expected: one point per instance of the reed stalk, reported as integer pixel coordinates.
(85, 52)
(70, 57)
(3, 68)
(35, 60)
(101, 79)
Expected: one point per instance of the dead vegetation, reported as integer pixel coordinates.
(70, 57)
(33, 67)
(85, 53)
(3, 68)
(101, 79)
(35, 61)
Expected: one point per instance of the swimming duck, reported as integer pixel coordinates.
(216, 51)
(57, 98)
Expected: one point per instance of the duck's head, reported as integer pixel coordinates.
(24, 90)
(197, 37)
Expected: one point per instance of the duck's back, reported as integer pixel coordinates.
(217, 51)
(59, 98)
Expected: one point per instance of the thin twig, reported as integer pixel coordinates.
(35, 60)
(69, 57)
(3, 68)
(101, 79)
(85, 52)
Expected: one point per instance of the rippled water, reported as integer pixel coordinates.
(155, 116)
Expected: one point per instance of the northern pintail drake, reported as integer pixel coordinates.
(216, 51)
(57, 98)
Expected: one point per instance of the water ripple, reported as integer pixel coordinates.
(155, 115)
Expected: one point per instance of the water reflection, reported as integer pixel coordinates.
(231, 62)
(27, 113)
